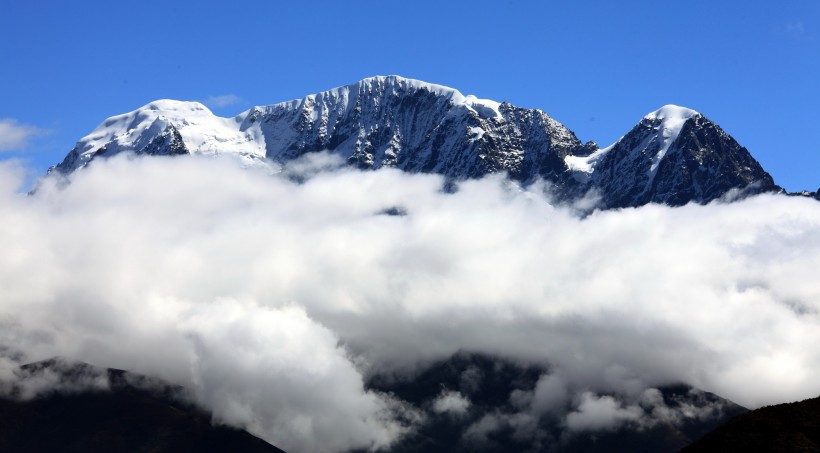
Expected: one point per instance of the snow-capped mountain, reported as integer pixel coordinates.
(673, 155)
(377, 122)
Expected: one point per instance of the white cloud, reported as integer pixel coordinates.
(284, 377)
(15, 136)
(274, 300)
(451, 402)
(224, 100)
(596, 413)
(551, 394)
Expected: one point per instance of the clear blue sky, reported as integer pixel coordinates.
(596, 66)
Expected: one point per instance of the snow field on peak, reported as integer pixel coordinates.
(201, 130)
(672, 114)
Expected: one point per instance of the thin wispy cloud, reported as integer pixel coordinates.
(16, 136)
(225, 100)
(796, 28)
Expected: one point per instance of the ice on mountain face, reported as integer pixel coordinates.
(585, 164)
(476, 133)
(484, 107)
(672, 118)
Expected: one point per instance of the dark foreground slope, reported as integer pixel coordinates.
(791, 427)
(135, 414)
(497, 419)
(124, 412)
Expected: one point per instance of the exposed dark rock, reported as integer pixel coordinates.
(780, 428)
(168, 143)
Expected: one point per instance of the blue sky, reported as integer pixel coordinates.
(596, 66)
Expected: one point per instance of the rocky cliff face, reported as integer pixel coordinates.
(673, 156)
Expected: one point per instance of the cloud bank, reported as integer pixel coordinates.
(274, 298)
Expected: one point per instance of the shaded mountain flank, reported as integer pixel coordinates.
(790, 427)
(87, 409)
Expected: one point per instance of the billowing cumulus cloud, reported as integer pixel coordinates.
(274, 298)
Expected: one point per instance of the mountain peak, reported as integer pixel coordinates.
(674, 155)
(672, 113)
(164, 126)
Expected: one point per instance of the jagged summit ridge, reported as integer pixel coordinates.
(674, 155)
(395, 122)
(396, 85)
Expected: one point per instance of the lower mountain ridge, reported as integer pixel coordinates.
(470, 402)
(782, 427)
(106, 410)
(475, 402)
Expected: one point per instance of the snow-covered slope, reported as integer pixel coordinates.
(166, 127)
(674, 155)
